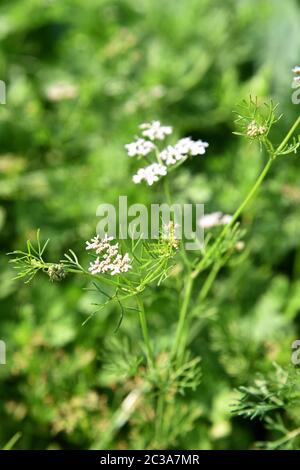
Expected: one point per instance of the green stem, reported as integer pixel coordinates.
(237, 213)
(182, 317)
(287, 137)
(248, 198)
(167, 191)
(145, 332)
(289, 436)
(180, 337)
(13, 440)
(180, 340)
(209, 281)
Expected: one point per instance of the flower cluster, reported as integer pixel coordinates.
(150, 173)
(255, 130)
(184, 147)
(110, 260)
(140, 147)
(170, 155)
(155, 131)
(215, 219)
(296, 71)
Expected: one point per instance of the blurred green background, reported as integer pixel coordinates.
(81, 75)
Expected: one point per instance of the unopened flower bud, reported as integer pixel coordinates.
(57, 272)
(255, 130)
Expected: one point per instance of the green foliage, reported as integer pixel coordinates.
(276, 400)
(30, 262)
(80, 77)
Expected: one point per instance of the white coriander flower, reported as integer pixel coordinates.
(111, 261)
(171, 155)
(184, 147)
(192, 147)
(198, 147)
(99, 245)
(155, 131)
(139, 147)
(296, 69)
(226, 219)
(121, 264)
(93, 244)
(112, 251)
(297, 80)
(214, 219)
(95, 267)
(100, 266)
(139, 176)
(150, 173)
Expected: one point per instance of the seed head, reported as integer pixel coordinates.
(57, 272)
(255, 130)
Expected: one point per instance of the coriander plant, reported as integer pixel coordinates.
(126, 272)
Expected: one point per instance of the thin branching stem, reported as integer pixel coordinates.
(180, 338)
(145, 332)
(182, 317)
